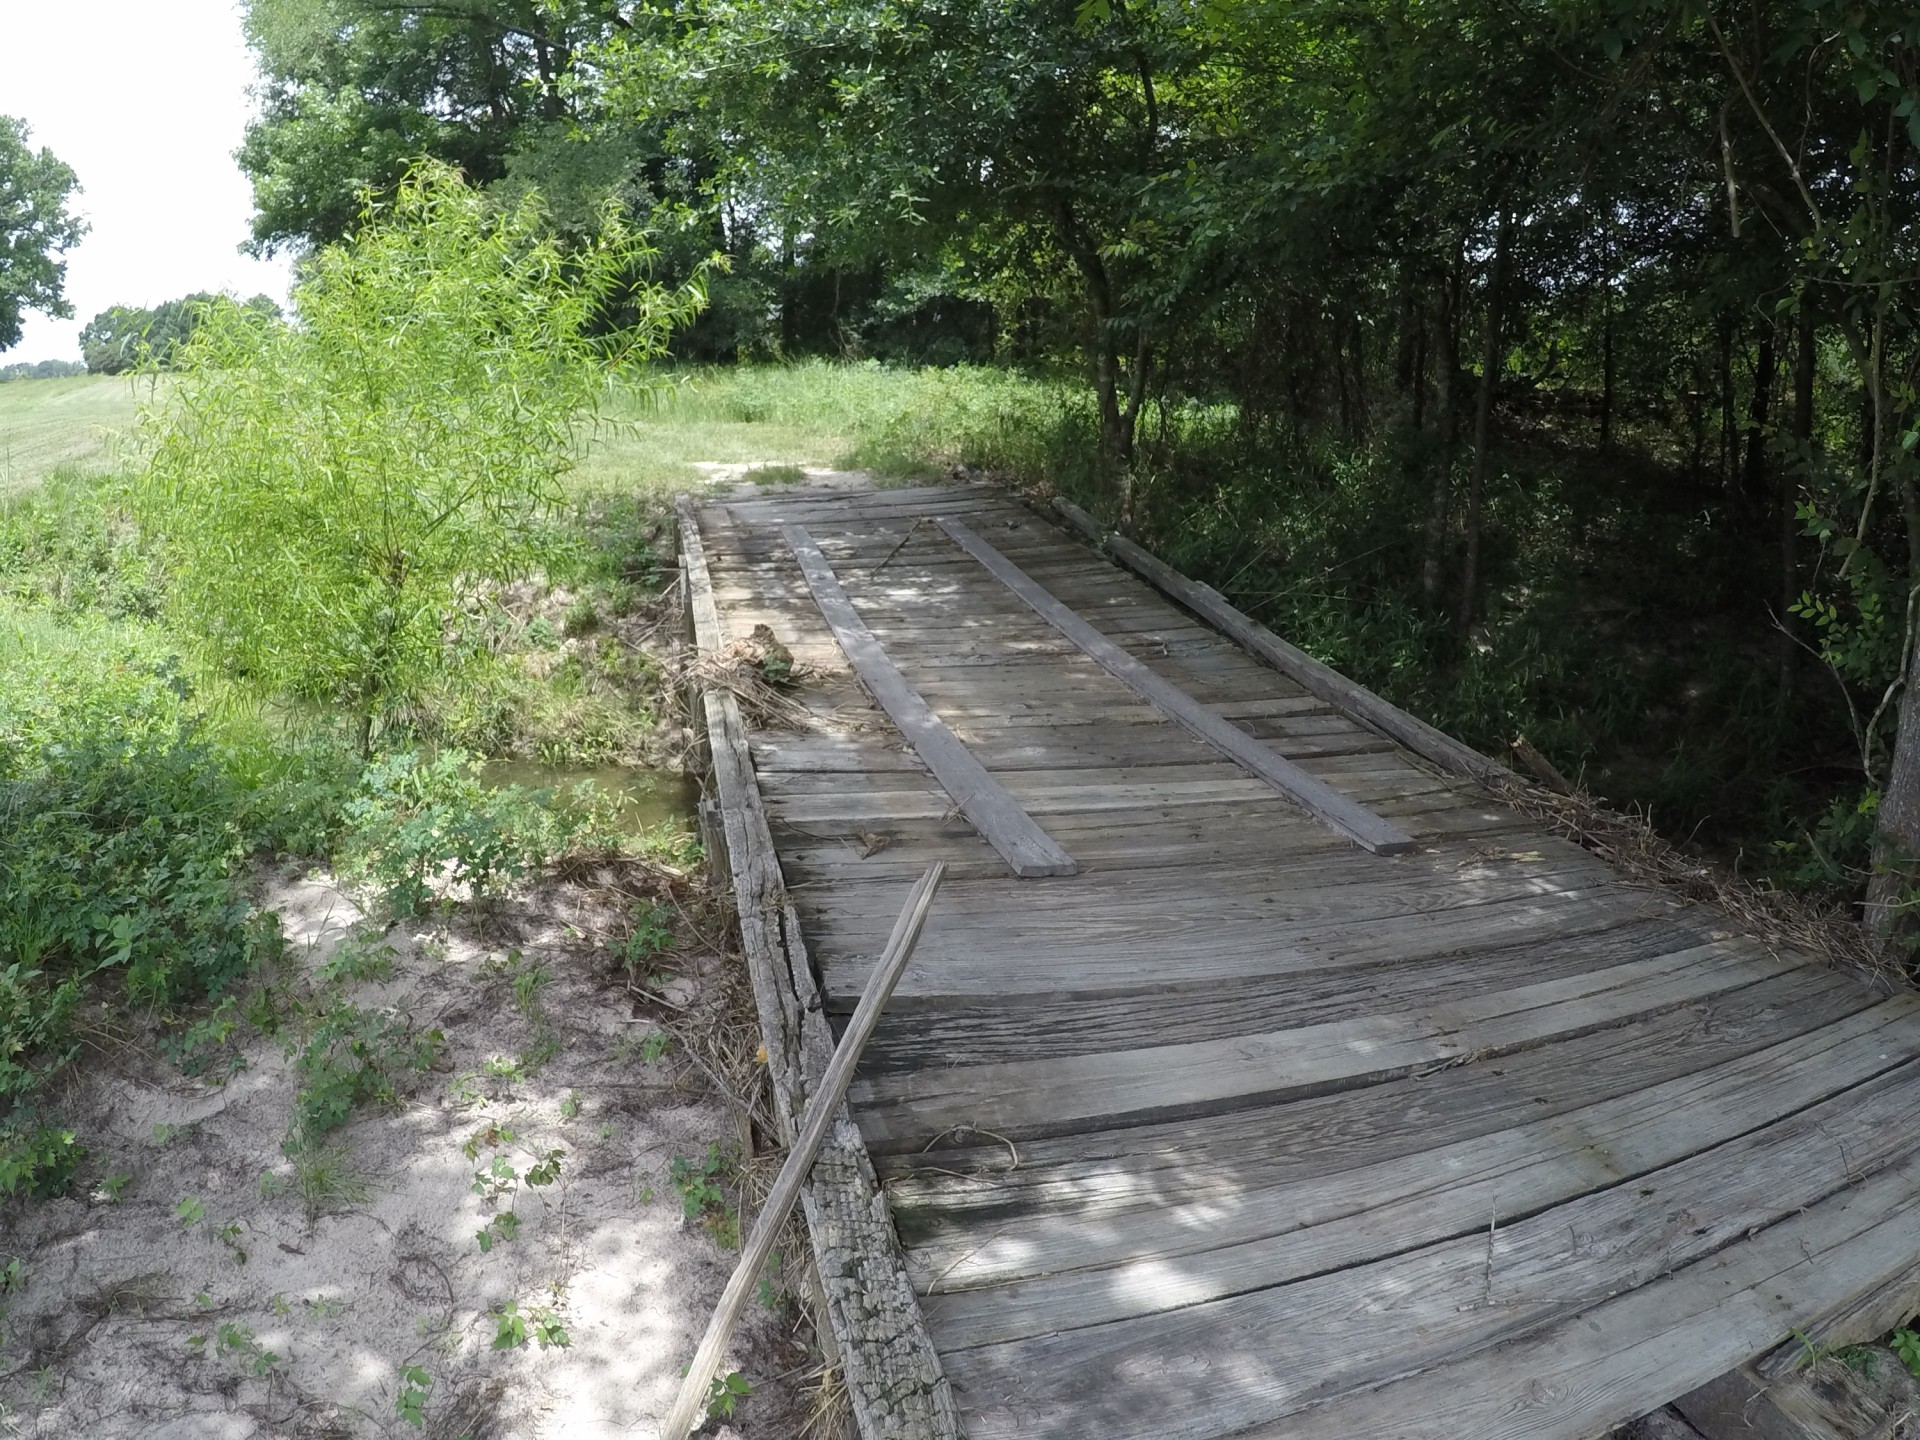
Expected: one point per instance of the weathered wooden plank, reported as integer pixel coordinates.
(1319, 679)
(1292, 1345)
(1143, 1261)
(1050, 1096)
(954, 972)
(895, 1383)
(1332, 808)
(1028, 850)
(1587, 1371)
(985, 1033)
(1832, 1401)
(961, 1195)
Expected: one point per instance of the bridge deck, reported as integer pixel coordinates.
(1242, 1129)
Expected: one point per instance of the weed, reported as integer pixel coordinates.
(657, 1043)
(499, 1179)
(650, 937)
(510, 1329)
(229, 1236)
(422, 827)
(359, 957)
(326, 1182)
(163, 1134)
(570, 1106)
(527, 986)
(769, 1292)
(411, 1403)
(549, 1332)
(501, 1067)
(190, 1211)
(13, 1276)
(109, 1190)
(698, 1183)
(353, 1057)
(1906, 1344)
(726, 1392)
(238, 1340)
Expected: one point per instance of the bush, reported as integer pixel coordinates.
(420, 829)
(329, 490)
(119, 855)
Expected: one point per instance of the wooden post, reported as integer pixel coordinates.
(821, 1109)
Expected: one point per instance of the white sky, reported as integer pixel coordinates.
(146, 100)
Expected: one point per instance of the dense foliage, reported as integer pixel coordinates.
(1553, 365)
(122, 338)
(329, 491)
(37, 227)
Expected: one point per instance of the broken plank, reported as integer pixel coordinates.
(1147, 1260)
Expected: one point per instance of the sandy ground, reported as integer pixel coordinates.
(186, 1288)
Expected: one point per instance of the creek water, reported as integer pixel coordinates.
(647, 798)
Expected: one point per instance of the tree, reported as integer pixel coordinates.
(354, 91)
(328, 492)
(129, 337)
(36, 229)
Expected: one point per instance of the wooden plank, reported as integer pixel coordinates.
(1365, 829)
(1588, 1371)
(1038, 1097)
(1144, 1260)
(1319, 679)
(956, 1201)
(1028, 850)
(895, 1383)
(691, 1403)
(987, 1033)
(1445, 1306)
(1830, 1402)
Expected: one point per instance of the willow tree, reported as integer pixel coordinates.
(329, 488)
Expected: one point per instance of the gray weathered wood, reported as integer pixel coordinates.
(1337, 1334)
(1329, 684)
(822, 1107)
(895, 1383)
(1027, 849)
(1358, 824)
(1030, 1097)
(1181, 1254)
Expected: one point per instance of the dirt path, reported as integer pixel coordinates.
(199, 1282)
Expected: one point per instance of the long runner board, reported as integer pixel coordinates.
(1028, 850)
(1356, 822)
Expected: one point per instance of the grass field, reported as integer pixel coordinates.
(900, 423)
(48, 423)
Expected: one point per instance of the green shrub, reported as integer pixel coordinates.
(120, 852)
(420, 826)
(328, 491)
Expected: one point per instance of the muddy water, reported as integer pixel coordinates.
(647, 797)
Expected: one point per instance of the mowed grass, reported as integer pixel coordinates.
(83, 422)
(901, 424)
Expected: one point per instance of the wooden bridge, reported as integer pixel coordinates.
(1260, 1072)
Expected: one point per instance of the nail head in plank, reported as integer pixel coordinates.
(1028, 850)
(1352, 820)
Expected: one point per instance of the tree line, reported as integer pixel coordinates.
(1546, 362)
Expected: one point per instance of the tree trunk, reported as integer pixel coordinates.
(1483, 418)
(1803, 371)
(1606, 373)
(1756, 466)
(1897, 839)
(1447, 323)
(1729, 431)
